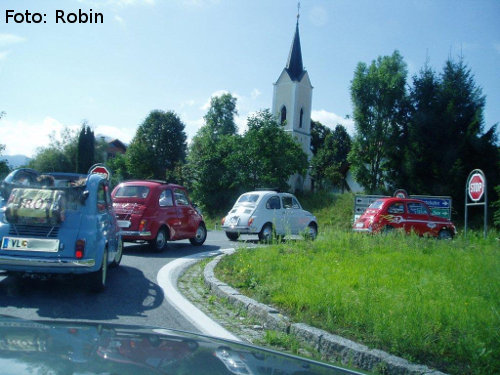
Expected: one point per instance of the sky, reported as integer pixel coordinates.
(176, 54)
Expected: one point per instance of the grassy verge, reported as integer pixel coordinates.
(432, 302)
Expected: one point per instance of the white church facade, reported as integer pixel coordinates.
(292, 101)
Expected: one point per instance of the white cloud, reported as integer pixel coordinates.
(206, 106)
(199, 3)
(119, 19)
(318, 16)
(124, 135)
(3, 54)
(255, 93)
(8, 39)
(331, 119)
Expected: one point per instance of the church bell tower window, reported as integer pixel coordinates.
(283, 115)
(301, 116)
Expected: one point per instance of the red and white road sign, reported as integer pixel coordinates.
(100, 169)
(476, 187)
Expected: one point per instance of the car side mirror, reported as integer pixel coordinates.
(84, 196)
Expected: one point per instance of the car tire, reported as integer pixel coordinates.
(200, 236)
(445, 234)
(97, 280)
(311, 232)
(159, 244)
(266, 233)
(233, 236)
(118, 255)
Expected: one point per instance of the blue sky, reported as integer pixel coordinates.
(176, 54)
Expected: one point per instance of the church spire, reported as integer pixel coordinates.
(294, 65)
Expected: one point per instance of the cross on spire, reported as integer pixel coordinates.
(298, 11)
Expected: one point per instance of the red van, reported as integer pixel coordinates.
(157, 212)
(412, 215)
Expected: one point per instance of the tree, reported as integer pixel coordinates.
(59, 155)
(211, 166)
(220, 116)
(319, 133)
(4, 166)
(446, 133)
(159, 143)
(379, 98)
(269, 155)
(329, 165)
(86, 149)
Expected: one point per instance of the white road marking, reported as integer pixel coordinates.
(167, 279)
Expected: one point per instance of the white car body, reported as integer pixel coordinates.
(265, 212)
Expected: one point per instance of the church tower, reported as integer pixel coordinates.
(292, 98)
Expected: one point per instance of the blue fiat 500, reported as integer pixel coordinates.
(58, 223)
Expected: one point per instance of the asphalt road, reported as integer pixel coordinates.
(132, 294)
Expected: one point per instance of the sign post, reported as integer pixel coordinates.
(475, 190)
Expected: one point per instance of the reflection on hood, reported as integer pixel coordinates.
(88, 348)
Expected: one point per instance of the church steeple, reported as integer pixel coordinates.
(294, 65)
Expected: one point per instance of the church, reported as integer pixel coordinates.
(292, 100)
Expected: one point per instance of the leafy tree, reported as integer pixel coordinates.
(446, 134)
(269, 155)
(59, 155)
(159, 143)
(319, 133)
(379, 97)
(329, 165)
(86, 149)
(211, 166)
(4, 167)
(220, 116)
(118, 169)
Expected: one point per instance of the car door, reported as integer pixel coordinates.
(185, 214)
(291, 216)
(417, 218)
(274, 212)
(106, 220)
(167, 212)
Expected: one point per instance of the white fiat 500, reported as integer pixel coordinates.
(266, 213)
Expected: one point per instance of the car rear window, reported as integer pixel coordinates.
(248, 198)
(132, 191)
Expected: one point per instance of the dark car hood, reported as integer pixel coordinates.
(60, 347)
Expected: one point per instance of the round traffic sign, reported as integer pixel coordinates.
(476, 187)
(100, 169)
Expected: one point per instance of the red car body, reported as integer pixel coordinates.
(411, 215)
(157, 212)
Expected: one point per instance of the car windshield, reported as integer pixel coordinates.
(132, 191)
(376, 205)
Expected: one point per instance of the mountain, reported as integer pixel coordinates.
(15, 161)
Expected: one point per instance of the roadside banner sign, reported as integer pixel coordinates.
(439, 205)
(475, 190)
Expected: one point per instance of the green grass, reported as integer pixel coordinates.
(432, 302)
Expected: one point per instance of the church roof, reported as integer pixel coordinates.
(294, 65)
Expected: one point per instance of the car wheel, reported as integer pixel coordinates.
(160, 242)
(266, 233)
(118, 255)
(98, 278)
(311, 232)
(445, 234)
(200, 236)
(233, 236)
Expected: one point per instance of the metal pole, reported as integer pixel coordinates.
(466, 205)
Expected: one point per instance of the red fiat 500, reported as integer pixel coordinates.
(157, 212)
(412, 215)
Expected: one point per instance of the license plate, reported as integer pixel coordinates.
(123, 223)
(30, 244)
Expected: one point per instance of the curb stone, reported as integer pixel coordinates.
(330, 346)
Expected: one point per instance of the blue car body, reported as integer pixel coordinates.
(85, 240)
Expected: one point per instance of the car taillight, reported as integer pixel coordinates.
(250, 221)
(222, 221)
(79, 249)
(142, 225)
